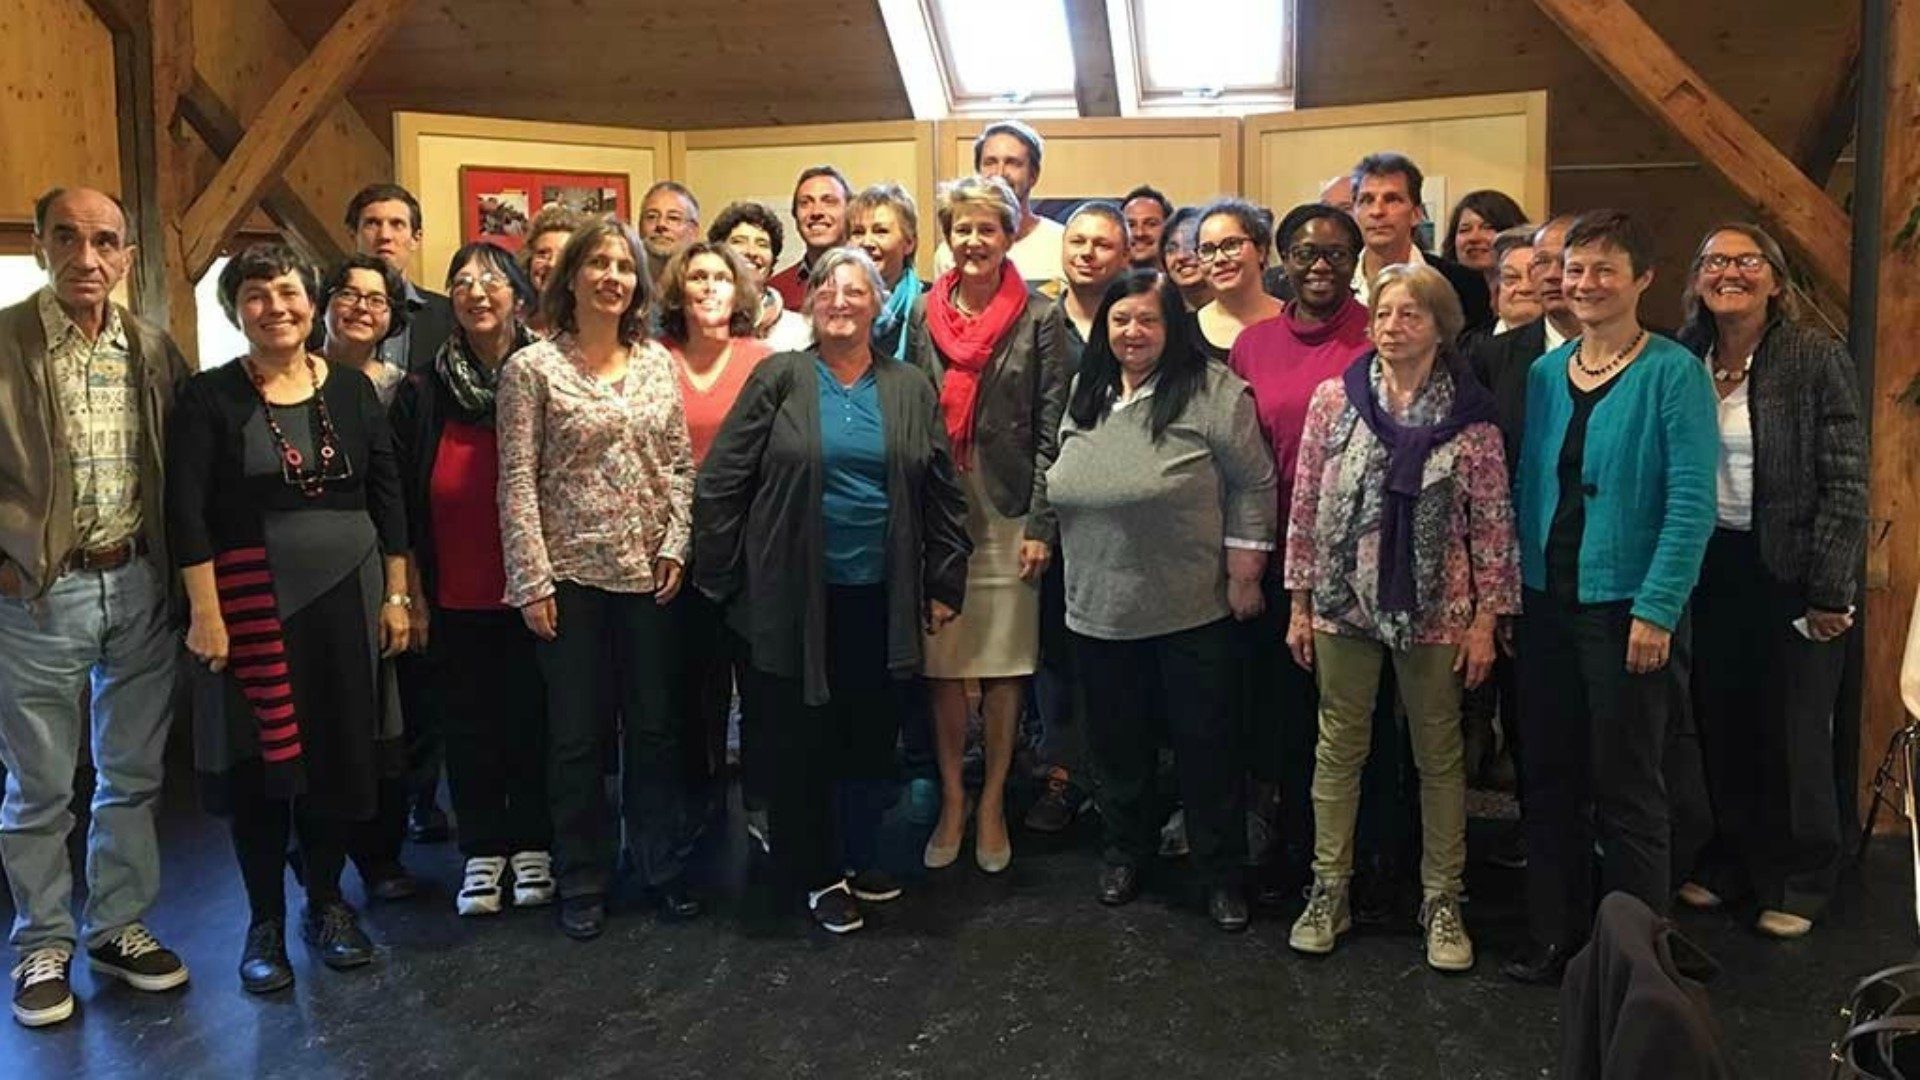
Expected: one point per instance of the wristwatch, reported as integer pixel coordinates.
(401, 600)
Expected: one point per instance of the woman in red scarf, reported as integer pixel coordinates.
(995, 350)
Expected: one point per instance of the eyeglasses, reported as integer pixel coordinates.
(1749, 262)
(1231, 247)
(1305, 255)
(378, 303)
(487, 281)
(672, 217)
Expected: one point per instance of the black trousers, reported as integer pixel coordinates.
(836, 761)
(495, 724)
(714, 663)
(261, 828)
(1596, 747)
(375, 843)
(1055, 709)
(1764, 698)
(624, 642)
(1191, 675)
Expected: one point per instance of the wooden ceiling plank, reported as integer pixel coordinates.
(1634, 55)
(1830, 125)
(290, 116)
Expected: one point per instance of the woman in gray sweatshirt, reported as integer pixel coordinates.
(1165, 494)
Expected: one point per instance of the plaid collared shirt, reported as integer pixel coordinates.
(99, 396)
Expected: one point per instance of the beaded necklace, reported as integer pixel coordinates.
(1618, 358)
(294, 467)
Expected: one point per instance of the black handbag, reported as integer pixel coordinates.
(1882, 1039)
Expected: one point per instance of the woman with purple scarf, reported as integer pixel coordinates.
(1400, 546)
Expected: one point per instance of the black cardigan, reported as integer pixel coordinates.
(760, 540)
(214, 506)
(1809, 459)
(418, 417)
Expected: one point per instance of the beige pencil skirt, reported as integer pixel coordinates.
(997, 635)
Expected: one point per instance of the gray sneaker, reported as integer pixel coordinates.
(1326, 917)
(1448, 946)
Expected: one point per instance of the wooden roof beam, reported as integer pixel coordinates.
(288, 119)
(220, 129)
(1830, 126)
(1096, 90)
(1634, 55)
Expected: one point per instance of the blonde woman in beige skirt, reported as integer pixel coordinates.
(995, 350)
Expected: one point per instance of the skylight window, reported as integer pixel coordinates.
(1005, 52)
(1202, 55)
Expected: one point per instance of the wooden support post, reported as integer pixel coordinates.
(289, 117)
(303, 227)
(1096, 90)
(1893, 559)
(1647, 68)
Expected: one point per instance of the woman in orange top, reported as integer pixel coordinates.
(709, 306)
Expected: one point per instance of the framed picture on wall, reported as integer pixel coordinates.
(497, 205)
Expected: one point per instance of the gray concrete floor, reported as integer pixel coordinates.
(964, 977)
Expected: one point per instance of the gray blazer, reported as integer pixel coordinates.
(1023, 394)
(760, 540)
(1809, 460)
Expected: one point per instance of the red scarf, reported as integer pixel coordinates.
(966, 343)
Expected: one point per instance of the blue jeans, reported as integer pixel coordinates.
(109, 628)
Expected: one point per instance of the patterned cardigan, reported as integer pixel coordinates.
(1809, 460)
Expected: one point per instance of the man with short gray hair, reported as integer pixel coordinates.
(85, 390)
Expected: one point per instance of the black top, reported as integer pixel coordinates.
(215, 502)
(1570, 513)
(1501, 363)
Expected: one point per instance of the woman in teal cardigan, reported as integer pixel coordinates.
(1616, 503)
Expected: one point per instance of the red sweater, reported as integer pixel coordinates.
(470, 571)
(1285, 362)
(707, 409)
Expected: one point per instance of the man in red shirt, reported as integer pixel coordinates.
(820, 212)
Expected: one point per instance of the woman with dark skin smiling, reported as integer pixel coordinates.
(997, 351)
(1316, 336)
(484, 665)
(1777, 589)
(1233, 247)
(1184, 268)
(284, 510)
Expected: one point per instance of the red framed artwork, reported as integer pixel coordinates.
(497, 205)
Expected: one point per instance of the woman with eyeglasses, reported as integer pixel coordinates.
(484, 668)
(1232, 247)
(1316, 336)
(1778, 586)
(364, 306)
(285, 514)
(1184, 268)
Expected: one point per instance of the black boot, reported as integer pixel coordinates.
(263, 966)
(333, 932)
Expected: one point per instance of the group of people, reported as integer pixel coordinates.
(1299, 502)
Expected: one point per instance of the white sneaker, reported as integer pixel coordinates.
(480, 892)
(532, 878)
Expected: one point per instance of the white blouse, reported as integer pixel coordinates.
(1735, 510)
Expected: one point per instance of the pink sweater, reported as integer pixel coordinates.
(1285, 362)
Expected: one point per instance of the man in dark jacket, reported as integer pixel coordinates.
(85, 393)
(384, 220)
(1386, 203)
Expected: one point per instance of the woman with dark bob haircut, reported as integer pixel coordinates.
(284, 509)
(1477, 221)
(1164, 489)
(482, 667)
(596, 493)
(1778, 587)
(364, 304)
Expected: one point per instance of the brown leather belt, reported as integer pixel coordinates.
(111, 557)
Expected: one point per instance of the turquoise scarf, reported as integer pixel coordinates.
(890, 326)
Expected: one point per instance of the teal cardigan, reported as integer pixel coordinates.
(1653, 448)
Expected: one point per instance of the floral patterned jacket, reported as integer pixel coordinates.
(596, 480)
(1465, 554)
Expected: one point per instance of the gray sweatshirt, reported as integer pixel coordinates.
(1144, 526)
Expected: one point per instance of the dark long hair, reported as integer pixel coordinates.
(1183, 367)
(1496, 208)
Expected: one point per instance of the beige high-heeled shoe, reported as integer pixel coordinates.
(1782, 924)
(991, 860)
(937, 857)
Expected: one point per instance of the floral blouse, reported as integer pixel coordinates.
(596, 479)
(1465, 554)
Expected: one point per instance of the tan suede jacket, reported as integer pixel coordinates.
(36, 484)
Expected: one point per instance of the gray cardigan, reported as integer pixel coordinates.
(1016, 425)
(1809, 460)
(1144, 525)
(760, 540)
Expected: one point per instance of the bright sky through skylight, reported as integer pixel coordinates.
(1009, 45)
(1193, 44)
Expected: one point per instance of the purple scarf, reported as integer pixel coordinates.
(1407, 451)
